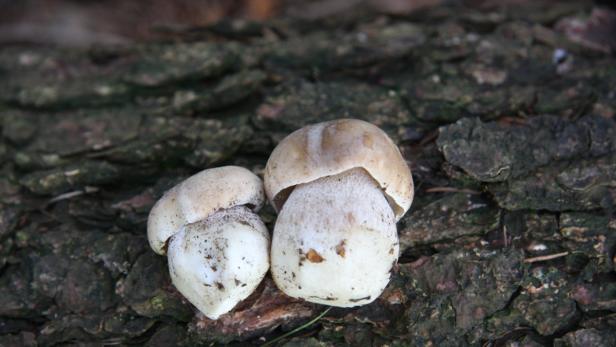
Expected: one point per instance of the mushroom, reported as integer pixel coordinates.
(339, 187)
(217, 246)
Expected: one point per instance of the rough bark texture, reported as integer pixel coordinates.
(507, 119)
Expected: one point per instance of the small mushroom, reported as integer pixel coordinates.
(216, 244)
(199, 196)
(339, 187)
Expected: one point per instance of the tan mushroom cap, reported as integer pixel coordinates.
(333, 147)
(199, 196)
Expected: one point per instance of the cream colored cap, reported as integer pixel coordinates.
(333, 147)
(199, 196)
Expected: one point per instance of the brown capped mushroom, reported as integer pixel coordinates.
(339, 187)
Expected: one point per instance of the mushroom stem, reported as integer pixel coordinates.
(217, 262)
(335, 241)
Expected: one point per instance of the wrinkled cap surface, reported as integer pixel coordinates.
(199, 196)
(330, 148)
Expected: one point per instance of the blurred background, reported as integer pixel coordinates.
(91, 22)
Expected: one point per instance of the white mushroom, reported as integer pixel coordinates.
(199, 196)
(217, 246)
(340, 187)
(217, 262)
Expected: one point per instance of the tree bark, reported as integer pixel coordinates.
(506, 120)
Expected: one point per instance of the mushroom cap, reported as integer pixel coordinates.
(217, 262)
(335, 241)
(329, 148)
(199, 196)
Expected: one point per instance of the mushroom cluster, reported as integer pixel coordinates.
(339, 188)
(218, 248)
